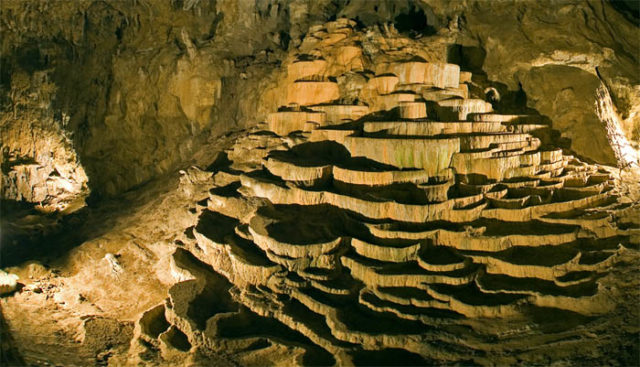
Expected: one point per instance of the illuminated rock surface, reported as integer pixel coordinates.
(383, 212)
(406, 229)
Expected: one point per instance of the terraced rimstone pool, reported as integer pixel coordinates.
(366, 234)
(285, 122)
(304, 69)
(337, 114)
(431, 155)
(309, 92)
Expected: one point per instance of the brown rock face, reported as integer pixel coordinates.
(211, 67)
(391, 195)
(552, 53)
(143, 85)
(39, 164)
(344, 234)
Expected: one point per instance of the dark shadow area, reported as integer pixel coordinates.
(630, 9)
(215, 226)
(328, 152)
(313, 154)
(469, 58)
(440, 255)
(553, 320)
(32, 56)
(23, 229)
(248, 251)
(403, 193)
(303, 224)
(343, 223)
(154, 322)
(512, 101)
(212, 297)
(472, 295)
(230, 190)
(45, 237)
(177, 339)
(246, 323)
(359, 319)
(414, 23)
(28, 234)
(9, 355)
(220, 162)
(390, 357)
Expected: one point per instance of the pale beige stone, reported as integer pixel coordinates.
(349, 58)
(387, 102)
(305, 93)
(431, 128)
(495, 117)
(329, 134)
(463, 107)
(357, 177)
(307, 175)
(410, 72)
(384, 84)
(284, 122)
(431, 155)
(305, 70)
(465, 76)
(442, 75)
(337, 114)
(412, 110)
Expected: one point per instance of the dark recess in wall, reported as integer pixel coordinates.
(414, 23)
(629, 8)
(469, 58)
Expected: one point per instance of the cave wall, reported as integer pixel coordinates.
(551, 50)
(143, 83)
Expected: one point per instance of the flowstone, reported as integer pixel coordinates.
(416, 224)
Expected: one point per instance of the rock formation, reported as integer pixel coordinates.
(383, 229)
(201, 56)
(385, 200)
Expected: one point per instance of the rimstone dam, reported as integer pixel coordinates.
(387, 204)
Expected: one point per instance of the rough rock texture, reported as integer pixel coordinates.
(409, 186)
(211, 62)
(397, 219)
(623, 150)
(39, 164)
(8, 282)
(370, 266)
(142, 83)
(552, 53)
(549, 51)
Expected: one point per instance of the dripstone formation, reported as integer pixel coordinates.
(389, 215)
